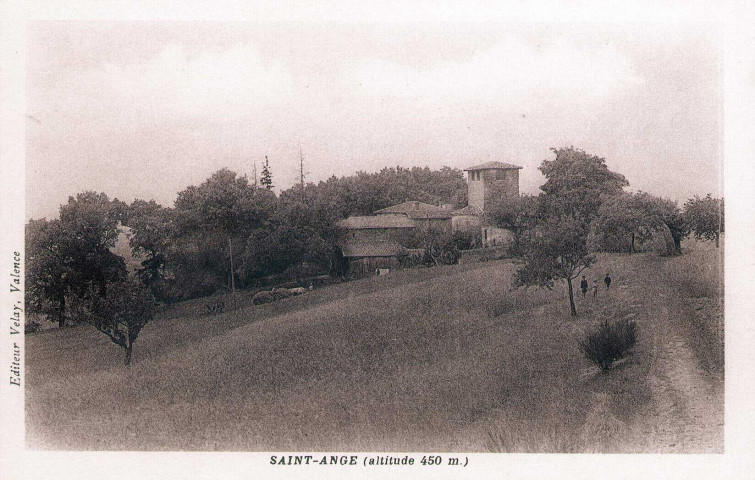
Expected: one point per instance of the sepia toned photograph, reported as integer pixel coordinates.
(374, 237)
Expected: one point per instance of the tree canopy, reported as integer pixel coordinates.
(705, 217)
(576, 182)
(557, 250)
(72, 252)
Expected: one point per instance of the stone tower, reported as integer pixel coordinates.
(481, 177)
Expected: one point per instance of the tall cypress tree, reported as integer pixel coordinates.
(267, 178)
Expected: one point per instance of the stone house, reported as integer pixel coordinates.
(378, 241)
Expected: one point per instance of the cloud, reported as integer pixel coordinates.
(176, 84)
(510, 70)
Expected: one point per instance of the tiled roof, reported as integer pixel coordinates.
(414, 209)
(372, 249)
(377, 221)
(493, 166)
(468, 210)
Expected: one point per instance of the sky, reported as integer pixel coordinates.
(145, 109)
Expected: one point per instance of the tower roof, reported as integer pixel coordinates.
(493, 166)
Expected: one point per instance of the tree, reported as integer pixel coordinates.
(669, 213)
(152, 227)
(90, 222)
(623, 220)
(576, 182)
(267, 176)
(49, 269)
(73, 252)
(627, 219)
(438, 243)
(273, 252)
(223, 207)
(517, 214)
(705, 216)
(120, 314)
(556, 250)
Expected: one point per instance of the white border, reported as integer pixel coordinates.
(735, 20)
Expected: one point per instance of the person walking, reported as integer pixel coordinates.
(583, 286)
(595, 288)
(607, 281)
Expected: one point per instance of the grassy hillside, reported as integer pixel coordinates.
(435, 359)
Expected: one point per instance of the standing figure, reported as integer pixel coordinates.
(607, 281)
(583, 286)
(595, 288)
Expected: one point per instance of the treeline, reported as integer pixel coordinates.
(583, 208)
(185, 251)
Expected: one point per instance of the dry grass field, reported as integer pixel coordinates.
(442, 359)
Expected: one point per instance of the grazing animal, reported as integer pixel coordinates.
(297, 291)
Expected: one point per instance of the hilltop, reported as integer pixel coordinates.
(439, 359)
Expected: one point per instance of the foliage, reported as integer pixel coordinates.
(518, 214)
(271, 252)
(321, 205)
(556, 250)
(438, 244)
(120, 314)
(72, 252)
(669, 213)
(576, 182)
(266, 180)
(225, 204)
(705, 216)
(152, 227)
(628, 219)
(31, 326)
(466, 240)
(609, 342)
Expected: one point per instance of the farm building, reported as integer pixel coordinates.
(379, 240)
(372, 242)
(425, 216)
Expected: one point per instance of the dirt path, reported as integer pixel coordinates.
(686, 406)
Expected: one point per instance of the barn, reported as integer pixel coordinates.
(372, 242)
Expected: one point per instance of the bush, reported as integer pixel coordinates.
(214, 307)
(31, 326)
(609, 342)
(265, 296)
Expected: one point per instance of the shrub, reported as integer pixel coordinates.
(263, 297)
(214, 307)
(31, 326)
(609, 342)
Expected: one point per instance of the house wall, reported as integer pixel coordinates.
(465, 223)
(369, 235)
(365, 266)
(439, 225)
